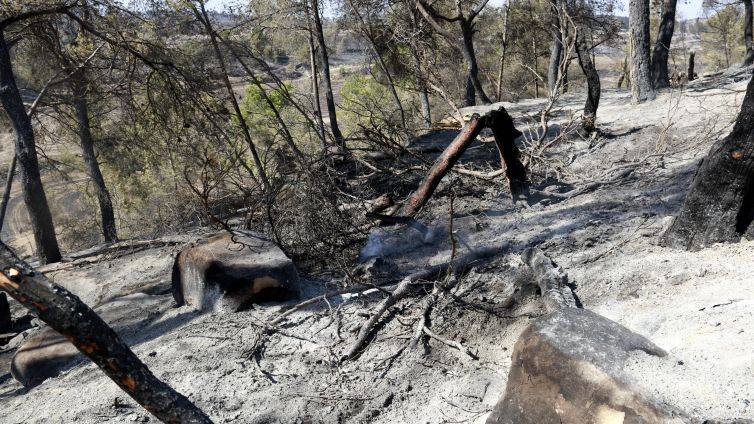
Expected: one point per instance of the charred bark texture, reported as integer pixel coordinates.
(690, 72)
(5, 318)
(107, 215)
(638, 36)
(720, 204)
(505, 133)
(556, 50)
(67, 314)
(8, 189)
(660, 78)
(589, 119)
(26, 154)
(748, 39)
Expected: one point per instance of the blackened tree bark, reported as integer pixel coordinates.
(589, 117)
(26, 154)
(690, 71)
(426, 109)
(661, 50)
(556, 50)
(638, 36)
(81, 106)
(68, 315)
(720, 205)
(748, 39)
(325, 68)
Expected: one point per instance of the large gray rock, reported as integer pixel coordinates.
(567, 369)
(46, 353)
(228, 271)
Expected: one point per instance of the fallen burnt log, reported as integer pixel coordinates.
(501, 124)
(68, 315)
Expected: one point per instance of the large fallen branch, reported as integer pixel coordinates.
(551, 279)
(505, 134)
(67, 314)
(403, 290)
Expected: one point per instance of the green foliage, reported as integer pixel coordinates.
(366, 102)
(722, 41)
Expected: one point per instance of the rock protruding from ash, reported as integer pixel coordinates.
(567, 369)
(46, 353)
(229, 271)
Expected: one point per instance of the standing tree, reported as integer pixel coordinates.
(325, 69)
(720, 204)
(556, 50)
(589, 118)
(748, 39)
(661, 50)
(466, 23)
(26, 150)
(638, 36)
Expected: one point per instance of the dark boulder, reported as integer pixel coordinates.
(228, 271)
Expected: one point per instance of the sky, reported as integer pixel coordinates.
(686, 9)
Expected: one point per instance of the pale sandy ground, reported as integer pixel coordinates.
(696, 305)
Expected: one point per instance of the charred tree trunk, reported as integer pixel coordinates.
(588, 120)
(325, 59)
(661, 50)
(690, 71)
(638, 35)
(68, 315)
(473, 83)
(720, 205)
(505, 133)
(556, 50)
(8, 189)
(6, 322)
(92, 165)
(748, 39)
(26, 154)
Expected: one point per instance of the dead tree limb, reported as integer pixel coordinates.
(551, 279)
(402, 291)
(451, 343)
(501, 124)
(67, 314)
(442, 165)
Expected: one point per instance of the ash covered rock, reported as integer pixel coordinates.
(568, 369)
(229, 271)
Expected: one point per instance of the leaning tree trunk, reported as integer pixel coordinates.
(556, 50)
(661, 51)
(68, 315)
(720, 205)
(638, 36)
(26, 153)
(748, 40)
(325, 68)
(467, 47)
(589, 118)
(92, 165)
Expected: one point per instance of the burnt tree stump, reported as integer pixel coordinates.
(720, 205)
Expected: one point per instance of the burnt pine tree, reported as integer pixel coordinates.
(325, 69)
(466, 23)
(594, 89)
(638, 37)
(748, 39)
(720, 204)
(659, 65)
(26, 155)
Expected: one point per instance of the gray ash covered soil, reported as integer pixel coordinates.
(695, 305)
